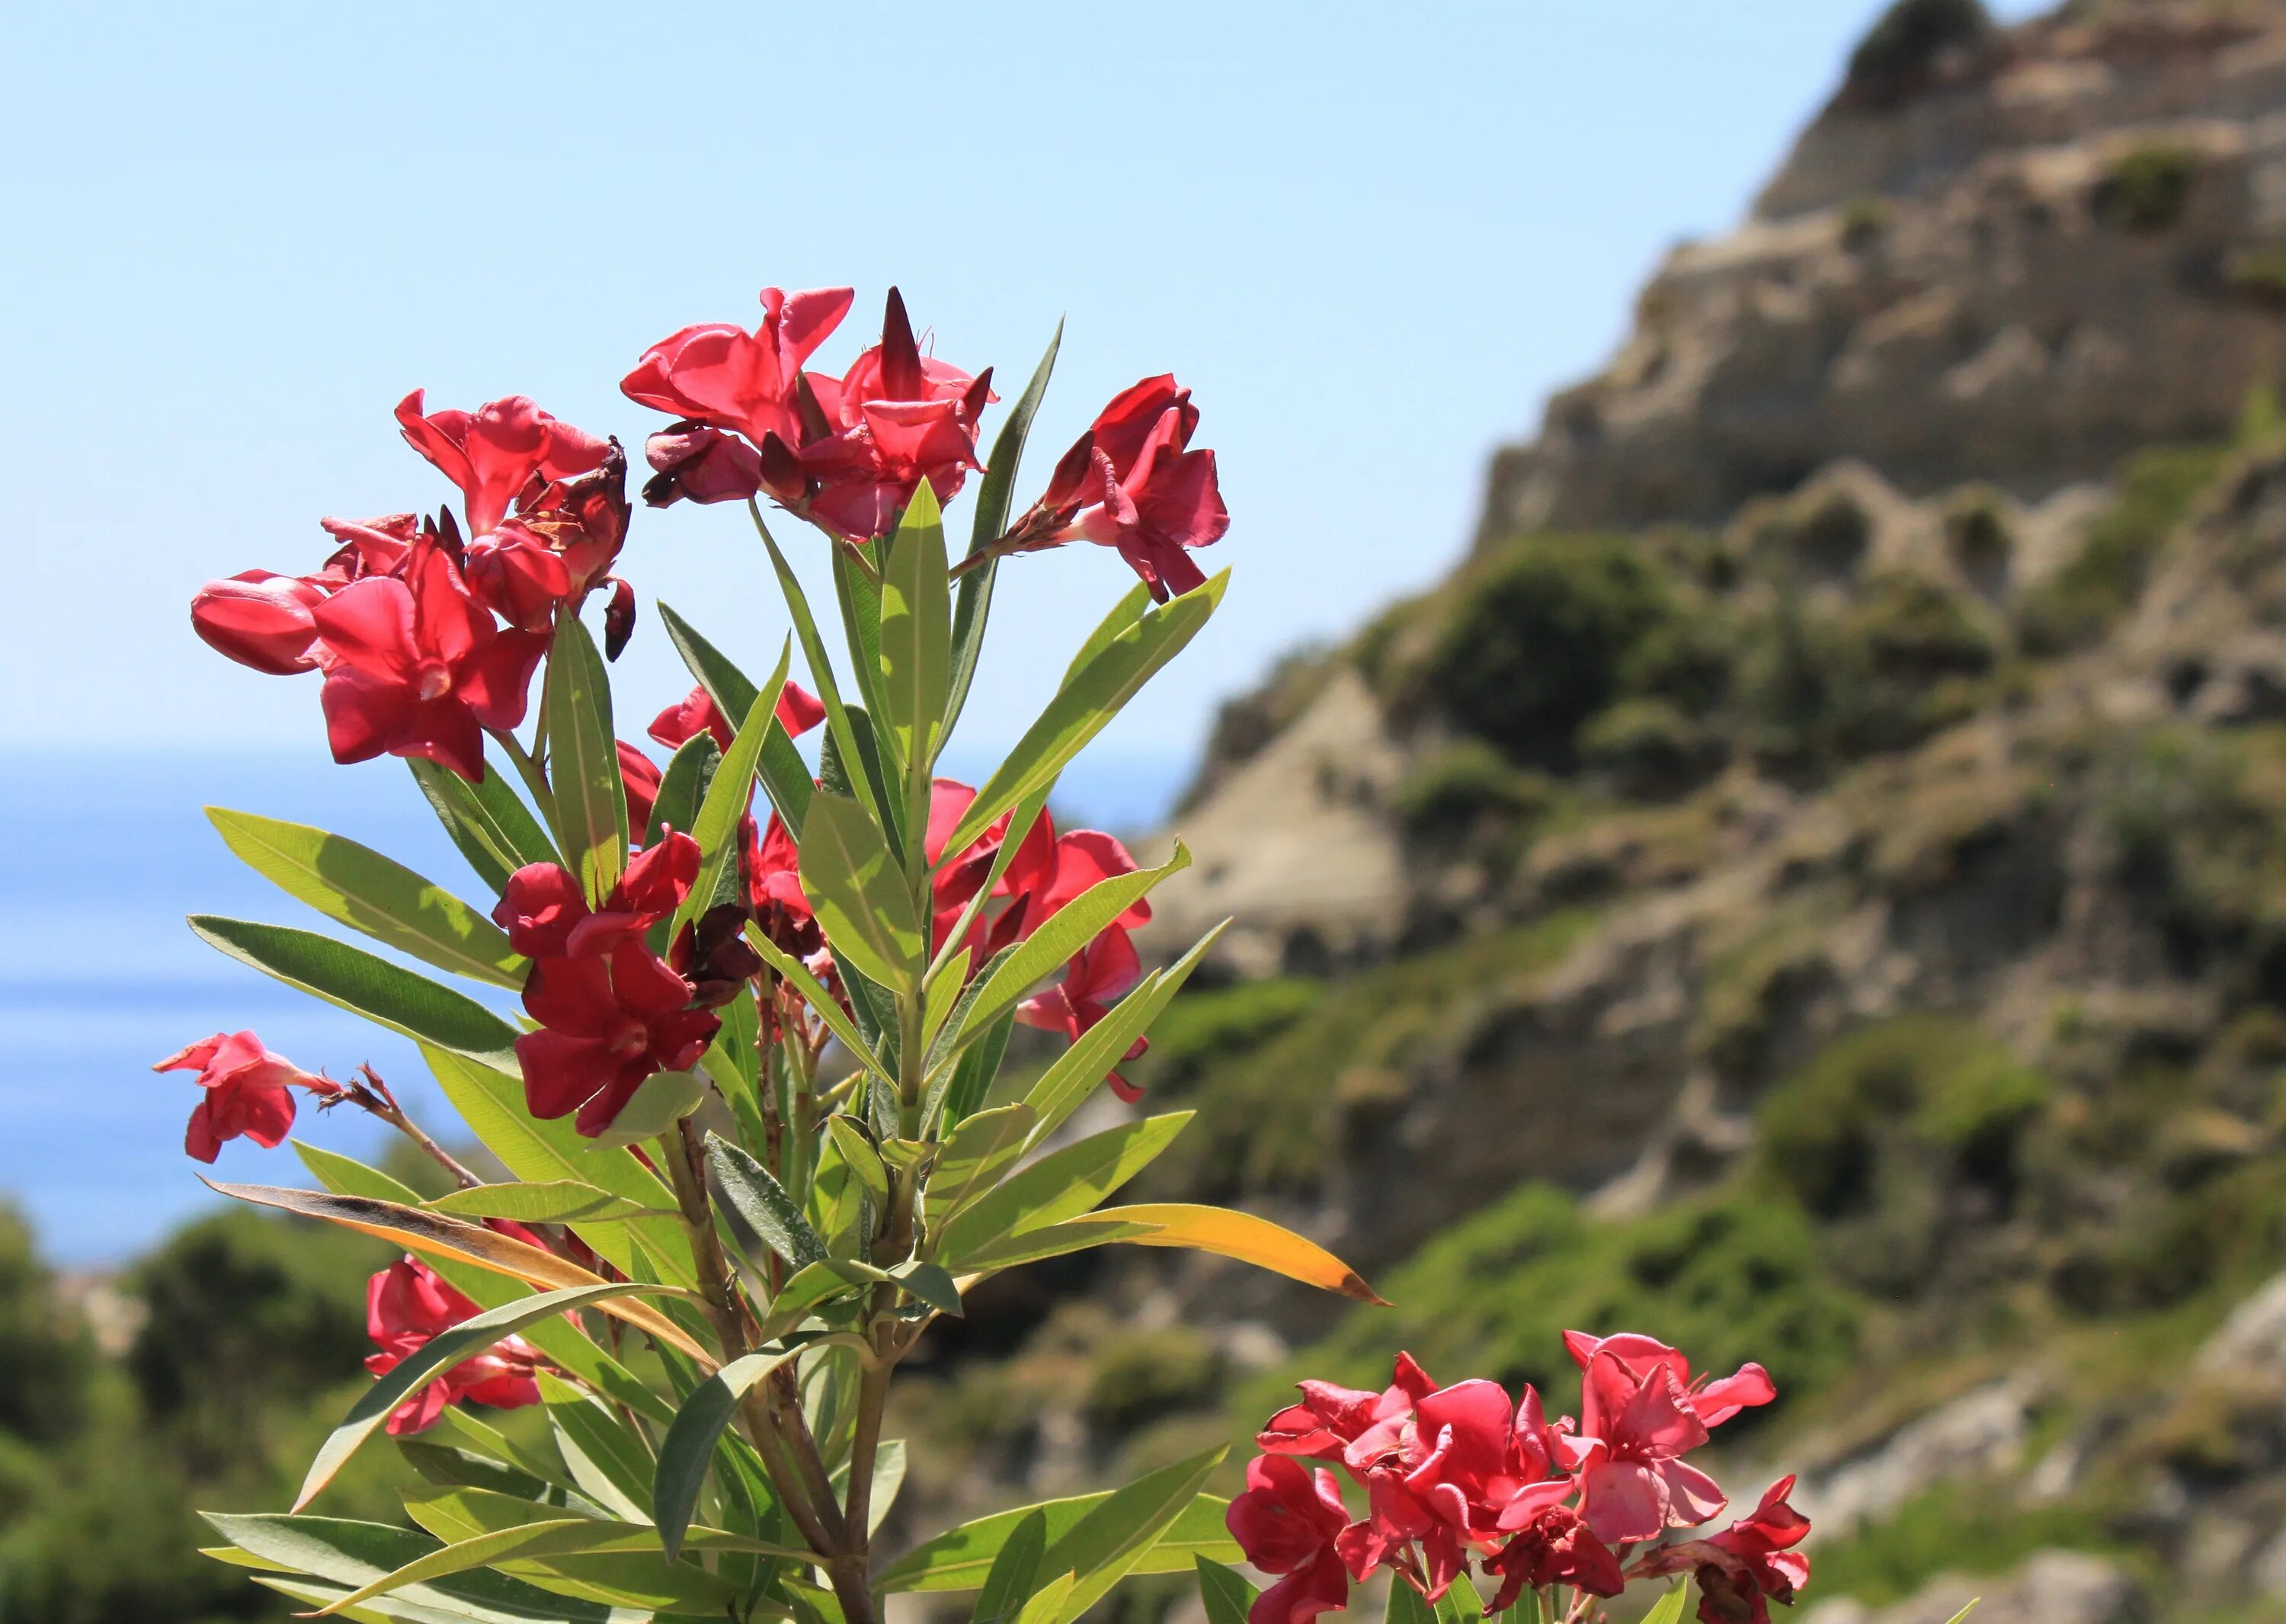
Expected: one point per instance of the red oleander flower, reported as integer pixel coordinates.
(895, 418)
(640, 775)
(559, 546)
(718, 376)
(406, 1306)
(546, 914)
(1712, 1400)
(1743, 1569)
(248, 1091)
(1638, 1487)
(1554, 1548)
(607, 1024)
(1286, 1522)
(1330, 1418)
(691, 462)
(774, 891)
(1132, 482)
(495, 452)
(1401, 1529)
(1098, 975)
(261, 619)
(797, 711)
(416, 667)
(368, 546)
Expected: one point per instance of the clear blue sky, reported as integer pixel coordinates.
(1371, 238)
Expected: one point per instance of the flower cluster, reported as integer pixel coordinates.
(1449, 1474)
(427, 635)
(612, 1011)
(848, 453)
(406, 1306)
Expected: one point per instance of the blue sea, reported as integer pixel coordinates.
(100, 977)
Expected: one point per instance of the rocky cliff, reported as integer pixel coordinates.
(1813, 882)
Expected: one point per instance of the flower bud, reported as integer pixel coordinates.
(260, 619)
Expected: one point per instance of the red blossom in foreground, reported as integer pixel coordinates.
(248, 1091)
(406, 1306)
(1132, 482)
(845, 452)
(1286, 1522)
(607, 1025)
(417, 667)
(261, 619)
(1743, 1569)
(493, 452)
(895, 418)
(717, 376)
(1455, 1474)
(798, 712)
(1098, 975)
(612, 1011)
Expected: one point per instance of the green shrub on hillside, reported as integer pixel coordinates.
(2148, 188)
(1536, 639)
(1463, 788)
(2157, 490)
(44, 1395)
(1907, 42)
(1726, 1278)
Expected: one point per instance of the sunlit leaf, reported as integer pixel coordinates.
(366, 891)
(493, 830)
(1243, 1236)
(591, 801)
(365, 985)
(916, 633)
(860, 896)
(961, 1558)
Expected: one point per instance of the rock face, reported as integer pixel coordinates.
(2063, 249)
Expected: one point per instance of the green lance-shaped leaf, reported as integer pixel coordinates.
(1048, 1602)
(683, 785)
(1059, 1186)
(810, 1287)
(930, 1283)
(973, 1156)
(857, 1153)
(447, 1465)
(859, 893)
(559, 1339)
(591, 801)
(1408, 1608)
(541, 1151)
(561, 1201)
(1009, 1583)
(916, 634)
(859, 599)
(688, 1450)
(1460, 1603)
(439, 1354)
(995, 496)
(1078, 1070)
(529, 1542)
(764, 1203)
(347, 1553)
(1125, 613)
(609, 1462)
(366, 891)
(493, 830)
(821, 667)
(823, 1004)
(961, 1558)
(716, 830)
(973, 1072)
(784, 775)
(1668, 1608)
(1067, 930)
(365, 984)
(1225, 1594)
(1109, 1541)
(1086, 704)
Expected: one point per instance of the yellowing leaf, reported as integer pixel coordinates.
(435, 1235)
(1240, 1235)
